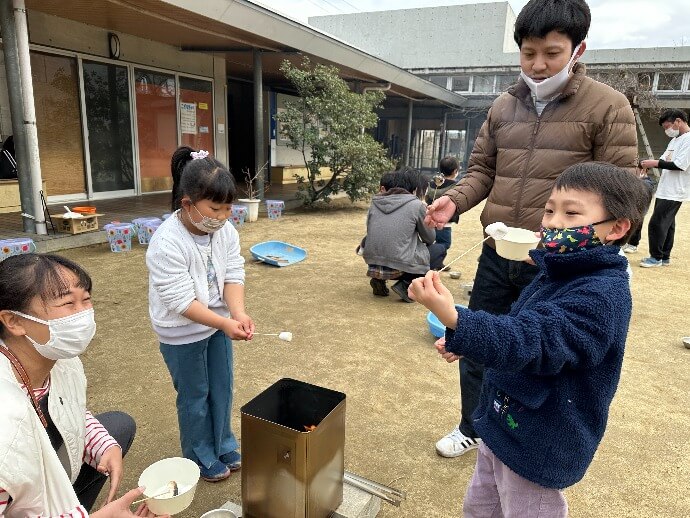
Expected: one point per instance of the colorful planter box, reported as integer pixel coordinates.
(16, 246)
(119, 236)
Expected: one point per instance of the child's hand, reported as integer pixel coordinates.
(235, 330)
(247, 324)
(431, 293)
(440, 345)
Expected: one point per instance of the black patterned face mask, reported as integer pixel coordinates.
(572, 239)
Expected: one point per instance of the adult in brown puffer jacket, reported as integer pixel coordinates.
(553, 118)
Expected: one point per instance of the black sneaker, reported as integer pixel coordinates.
(379, 287)
(400, 288)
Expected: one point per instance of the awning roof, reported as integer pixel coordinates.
(235, 27)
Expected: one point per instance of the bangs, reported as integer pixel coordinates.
(52, 282)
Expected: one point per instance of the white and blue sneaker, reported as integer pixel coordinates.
(665, 262)
(650, 262)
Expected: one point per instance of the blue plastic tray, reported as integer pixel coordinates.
(435, 326)
(278, 253)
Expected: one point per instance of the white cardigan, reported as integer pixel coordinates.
(177, 270)
(30, 469)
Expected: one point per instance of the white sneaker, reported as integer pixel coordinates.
(629, 249)
(456, 443)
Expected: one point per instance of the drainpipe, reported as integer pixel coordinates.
(259, 159)
(15, 40)
(408, 142)
(443, 136)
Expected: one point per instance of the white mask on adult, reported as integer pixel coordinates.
(547, 88)
(69, 336)
(672, 133)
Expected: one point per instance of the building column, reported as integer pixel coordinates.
(21, 94)
(259, 143)
(443, 135)
(408, 141)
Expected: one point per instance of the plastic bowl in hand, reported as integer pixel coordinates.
(184, 472)
(516, 244)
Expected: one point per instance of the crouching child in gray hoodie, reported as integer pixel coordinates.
(398, 244)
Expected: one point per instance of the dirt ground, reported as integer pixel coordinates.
(401, 397)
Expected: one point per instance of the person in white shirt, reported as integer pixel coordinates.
(54, 455)
(673, 189)
(196, 305)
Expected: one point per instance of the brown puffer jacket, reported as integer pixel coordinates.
(518, 155)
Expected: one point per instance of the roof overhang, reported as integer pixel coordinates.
(235, 28)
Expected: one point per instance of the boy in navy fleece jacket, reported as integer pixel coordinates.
(553, 363)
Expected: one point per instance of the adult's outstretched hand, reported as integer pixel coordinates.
(439, 212)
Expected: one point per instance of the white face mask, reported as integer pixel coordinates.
(672, 133)
(549, 87)
(69, 336)
(206, 224)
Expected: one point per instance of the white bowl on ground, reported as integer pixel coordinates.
(686, 342)
(219, 513)
(157, 477)
(516, 244)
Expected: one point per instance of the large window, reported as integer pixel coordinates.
(505, 81)
(461, 83)
(58, 123)
(483, 84)
(156, 127)
(441, 81)
(670, 82)
(106, 95)
(196, 113)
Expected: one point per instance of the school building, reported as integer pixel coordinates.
(469, 49)
(119, 84)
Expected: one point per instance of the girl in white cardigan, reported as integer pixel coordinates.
(196, 304)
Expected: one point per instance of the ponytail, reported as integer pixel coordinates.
(180, 158)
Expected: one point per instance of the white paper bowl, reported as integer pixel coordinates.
(686, 342)
(516, 244)
(219, 513)
(183, 471)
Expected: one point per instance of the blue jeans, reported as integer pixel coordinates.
(443, 237)
(497, 284)
(202, 376)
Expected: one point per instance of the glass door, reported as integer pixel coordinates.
(196, 113)
(109, 128)
(156, 127)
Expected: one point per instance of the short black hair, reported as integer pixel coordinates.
(387, 180)
(200, 179)
(26, 276)
(623, 194)
(539, 17)
(671, 115)
(409, 179)
(448, 165)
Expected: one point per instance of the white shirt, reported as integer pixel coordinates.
(675, 185)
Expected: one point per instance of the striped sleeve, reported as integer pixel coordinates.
(77, 512)
(96, 442)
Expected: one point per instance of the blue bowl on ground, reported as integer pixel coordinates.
(278, 253)
(436, 328)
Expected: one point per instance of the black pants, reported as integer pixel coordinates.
(662, 228)
(437, 253)
(90, 482)
(636, 236)
(497, 284)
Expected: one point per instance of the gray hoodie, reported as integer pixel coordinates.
(396, 234)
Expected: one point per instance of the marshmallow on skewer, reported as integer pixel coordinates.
(497, 230)
(286, 336)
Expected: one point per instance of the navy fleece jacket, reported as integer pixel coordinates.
(552, 364)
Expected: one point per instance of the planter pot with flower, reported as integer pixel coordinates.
(252, 201)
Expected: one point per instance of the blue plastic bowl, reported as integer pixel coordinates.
(436, 328)
(278, 253)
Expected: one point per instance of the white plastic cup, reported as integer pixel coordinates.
(184, 472)
(516, 244)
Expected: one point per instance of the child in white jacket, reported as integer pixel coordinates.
(196, 304)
